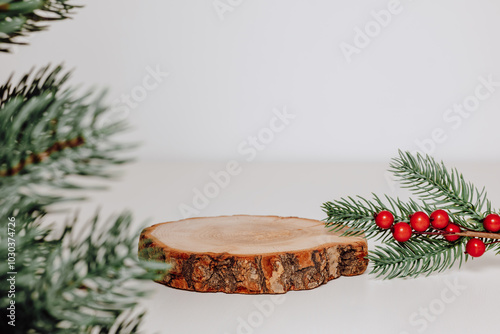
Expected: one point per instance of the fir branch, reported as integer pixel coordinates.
(356, 216)
(48, 132)
(425, 252)
(34, 83)
(417, 256)
(82, 281)
(18, 18)
(443, 188)
(41, 156)
(420, 255)
(66, 283)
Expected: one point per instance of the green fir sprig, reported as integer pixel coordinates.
(49, 131)
(18, 18)
(445, 188)
(81, 281)
(357, 214)
(83, 278)
(436, 187)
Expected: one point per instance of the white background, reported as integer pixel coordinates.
(226, 76)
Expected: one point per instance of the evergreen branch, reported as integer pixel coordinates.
(425, 251)
(447, 189)
(356, 216)
(82, 281)
(34, 84)
(18, 18)
(48, 132)
(417, 256)
(39, 157)
(69, 283)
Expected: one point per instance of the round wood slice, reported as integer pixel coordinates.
(251, 254)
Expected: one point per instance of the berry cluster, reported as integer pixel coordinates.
(420, 223)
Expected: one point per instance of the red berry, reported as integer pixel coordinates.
(439, 219)
(492, 222)
(401, 232)
(419, 221)
(475, 247)
(453, 228)
(384, 219)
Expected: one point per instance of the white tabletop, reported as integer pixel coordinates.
(460, 300)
